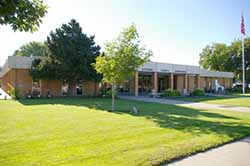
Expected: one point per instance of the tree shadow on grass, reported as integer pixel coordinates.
(125, 106)
(185, 120)
(166, 116)
(192, 120)
(200, 126)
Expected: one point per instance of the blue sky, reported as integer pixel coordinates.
(175, 30)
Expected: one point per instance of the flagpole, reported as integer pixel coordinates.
(243, 65)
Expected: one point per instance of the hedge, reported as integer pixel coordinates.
(171, 93)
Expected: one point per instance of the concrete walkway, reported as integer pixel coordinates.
(189, 104)
(232, 154)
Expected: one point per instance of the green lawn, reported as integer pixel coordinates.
(81, 132)
(230, 100)
(239, 94)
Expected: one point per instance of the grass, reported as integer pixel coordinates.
(224, 100)
(240, 94)
(81, 132)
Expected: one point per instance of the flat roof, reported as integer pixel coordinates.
(17, 62)
(182, 69)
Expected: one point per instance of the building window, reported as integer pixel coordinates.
(36, 88)
(79, 87)
(65, 88)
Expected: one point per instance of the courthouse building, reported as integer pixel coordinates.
(151, 77)
(157, 77)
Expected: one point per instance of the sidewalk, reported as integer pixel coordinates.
(232, 154)
(189, 104)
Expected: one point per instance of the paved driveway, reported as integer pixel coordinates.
(189, 104)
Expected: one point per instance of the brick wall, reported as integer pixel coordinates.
(23, 81)
(51, 86)
(20, 79)
(90, 88)
(202, 82)
(228, 82)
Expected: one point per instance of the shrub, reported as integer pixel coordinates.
(236, 90)
(176, 93)
(198, 92)
(228, 91)
(13, 92)
(247, 90)
(171, 93)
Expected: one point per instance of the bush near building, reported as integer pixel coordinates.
(237, 90)
(198, 92)
(171, 93)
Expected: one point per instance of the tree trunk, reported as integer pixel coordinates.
(113, 96)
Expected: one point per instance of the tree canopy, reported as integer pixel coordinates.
(121, 58)
(71, 53)
(216, 57)
(32, 49)
(222, 57)
(22, 15)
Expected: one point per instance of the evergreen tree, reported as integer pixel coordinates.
(71, 53)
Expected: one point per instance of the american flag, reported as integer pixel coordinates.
(242, 26)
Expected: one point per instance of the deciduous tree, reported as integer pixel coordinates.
(216, 57)
(228, 58)
(32, 49)
(22, 15)
(121, 58)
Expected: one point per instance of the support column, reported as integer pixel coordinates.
(224, 82)
(198, 82)
(171, 81)
(136, 83)
(206, 83)
(185, 83)
(156, 82)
